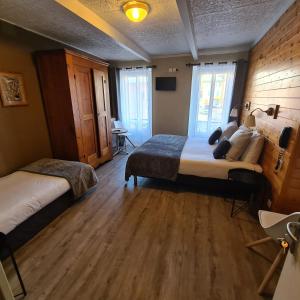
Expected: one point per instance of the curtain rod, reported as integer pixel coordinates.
(137, 67)
(209, 63)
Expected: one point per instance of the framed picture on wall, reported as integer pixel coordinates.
(12, 90)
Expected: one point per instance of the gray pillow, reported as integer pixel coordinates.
(229, 130)
(254, 149)
(239, 142)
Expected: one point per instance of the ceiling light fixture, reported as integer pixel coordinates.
(136, 11)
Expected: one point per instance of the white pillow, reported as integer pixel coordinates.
(229, 130)
(254, 149)
(239, 142)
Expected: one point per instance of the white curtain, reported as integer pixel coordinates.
(136, 103)
(211, 96)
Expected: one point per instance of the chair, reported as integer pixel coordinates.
(121, 136)
(275, 226)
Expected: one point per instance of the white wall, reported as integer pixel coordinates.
(288, 287)
(171, 108)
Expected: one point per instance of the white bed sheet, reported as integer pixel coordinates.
(197, 159)
(22, 194)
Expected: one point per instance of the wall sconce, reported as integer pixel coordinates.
(271, 111)
(250, 120)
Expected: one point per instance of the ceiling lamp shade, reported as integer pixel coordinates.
(136, 11)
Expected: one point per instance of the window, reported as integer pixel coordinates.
(136, 103)
(211, 95)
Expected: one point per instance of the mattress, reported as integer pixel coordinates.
(22, 194)
(197, 159)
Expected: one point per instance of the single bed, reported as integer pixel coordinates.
(169, 157)
(33, 196)
(23, 194)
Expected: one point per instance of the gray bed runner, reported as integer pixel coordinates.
(80, 176)
(159, 157)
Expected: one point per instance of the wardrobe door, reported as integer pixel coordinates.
(84, 92)
(103, 113)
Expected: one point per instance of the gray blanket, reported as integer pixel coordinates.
(80, 176)
(159, 157)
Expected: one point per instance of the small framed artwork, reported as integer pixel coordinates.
(12, 91)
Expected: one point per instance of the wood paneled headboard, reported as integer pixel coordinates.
(274, 78)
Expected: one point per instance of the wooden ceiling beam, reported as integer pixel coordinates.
(92, 18)
(186, 18)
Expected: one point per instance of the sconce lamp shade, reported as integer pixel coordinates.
(250, 121)
(234, 113)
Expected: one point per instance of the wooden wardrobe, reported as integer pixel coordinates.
(76, 99)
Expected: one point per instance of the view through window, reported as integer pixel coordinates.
(210, 98)
(136, 103)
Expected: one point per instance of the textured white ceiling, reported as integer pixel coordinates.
(160, 33)
(231, 23)
(51, 19)
(217, 24)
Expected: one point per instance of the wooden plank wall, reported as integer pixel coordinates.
(274, 78)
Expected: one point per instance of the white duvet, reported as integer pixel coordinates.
(22, 194)
(197, 159)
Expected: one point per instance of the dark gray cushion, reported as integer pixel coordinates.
(215, 136)
(222, 149)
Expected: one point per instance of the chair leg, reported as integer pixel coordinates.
(259, 242)
(17, 270)
(133, 145)
(280, 256)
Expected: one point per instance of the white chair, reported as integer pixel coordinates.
(122, 135)
(275, 226)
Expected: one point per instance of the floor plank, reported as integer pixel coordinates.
(155, 241)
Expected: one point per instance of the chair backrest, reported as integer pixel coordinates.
(278, 229)
(118, 125)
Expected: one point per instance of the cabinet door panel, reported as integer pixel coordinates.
(84, 91)
(103, 113)
(76, 113)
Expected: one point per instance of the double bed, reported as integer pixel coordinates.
(197, 160)
(172, 157)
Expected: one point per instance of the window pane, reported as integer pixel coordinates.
(210, 98)
(136, 103)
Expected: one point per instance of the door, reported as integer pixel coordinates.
(103, 114)
(84, 92)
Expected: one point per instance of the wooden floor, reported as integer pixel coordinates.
(150, 242)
